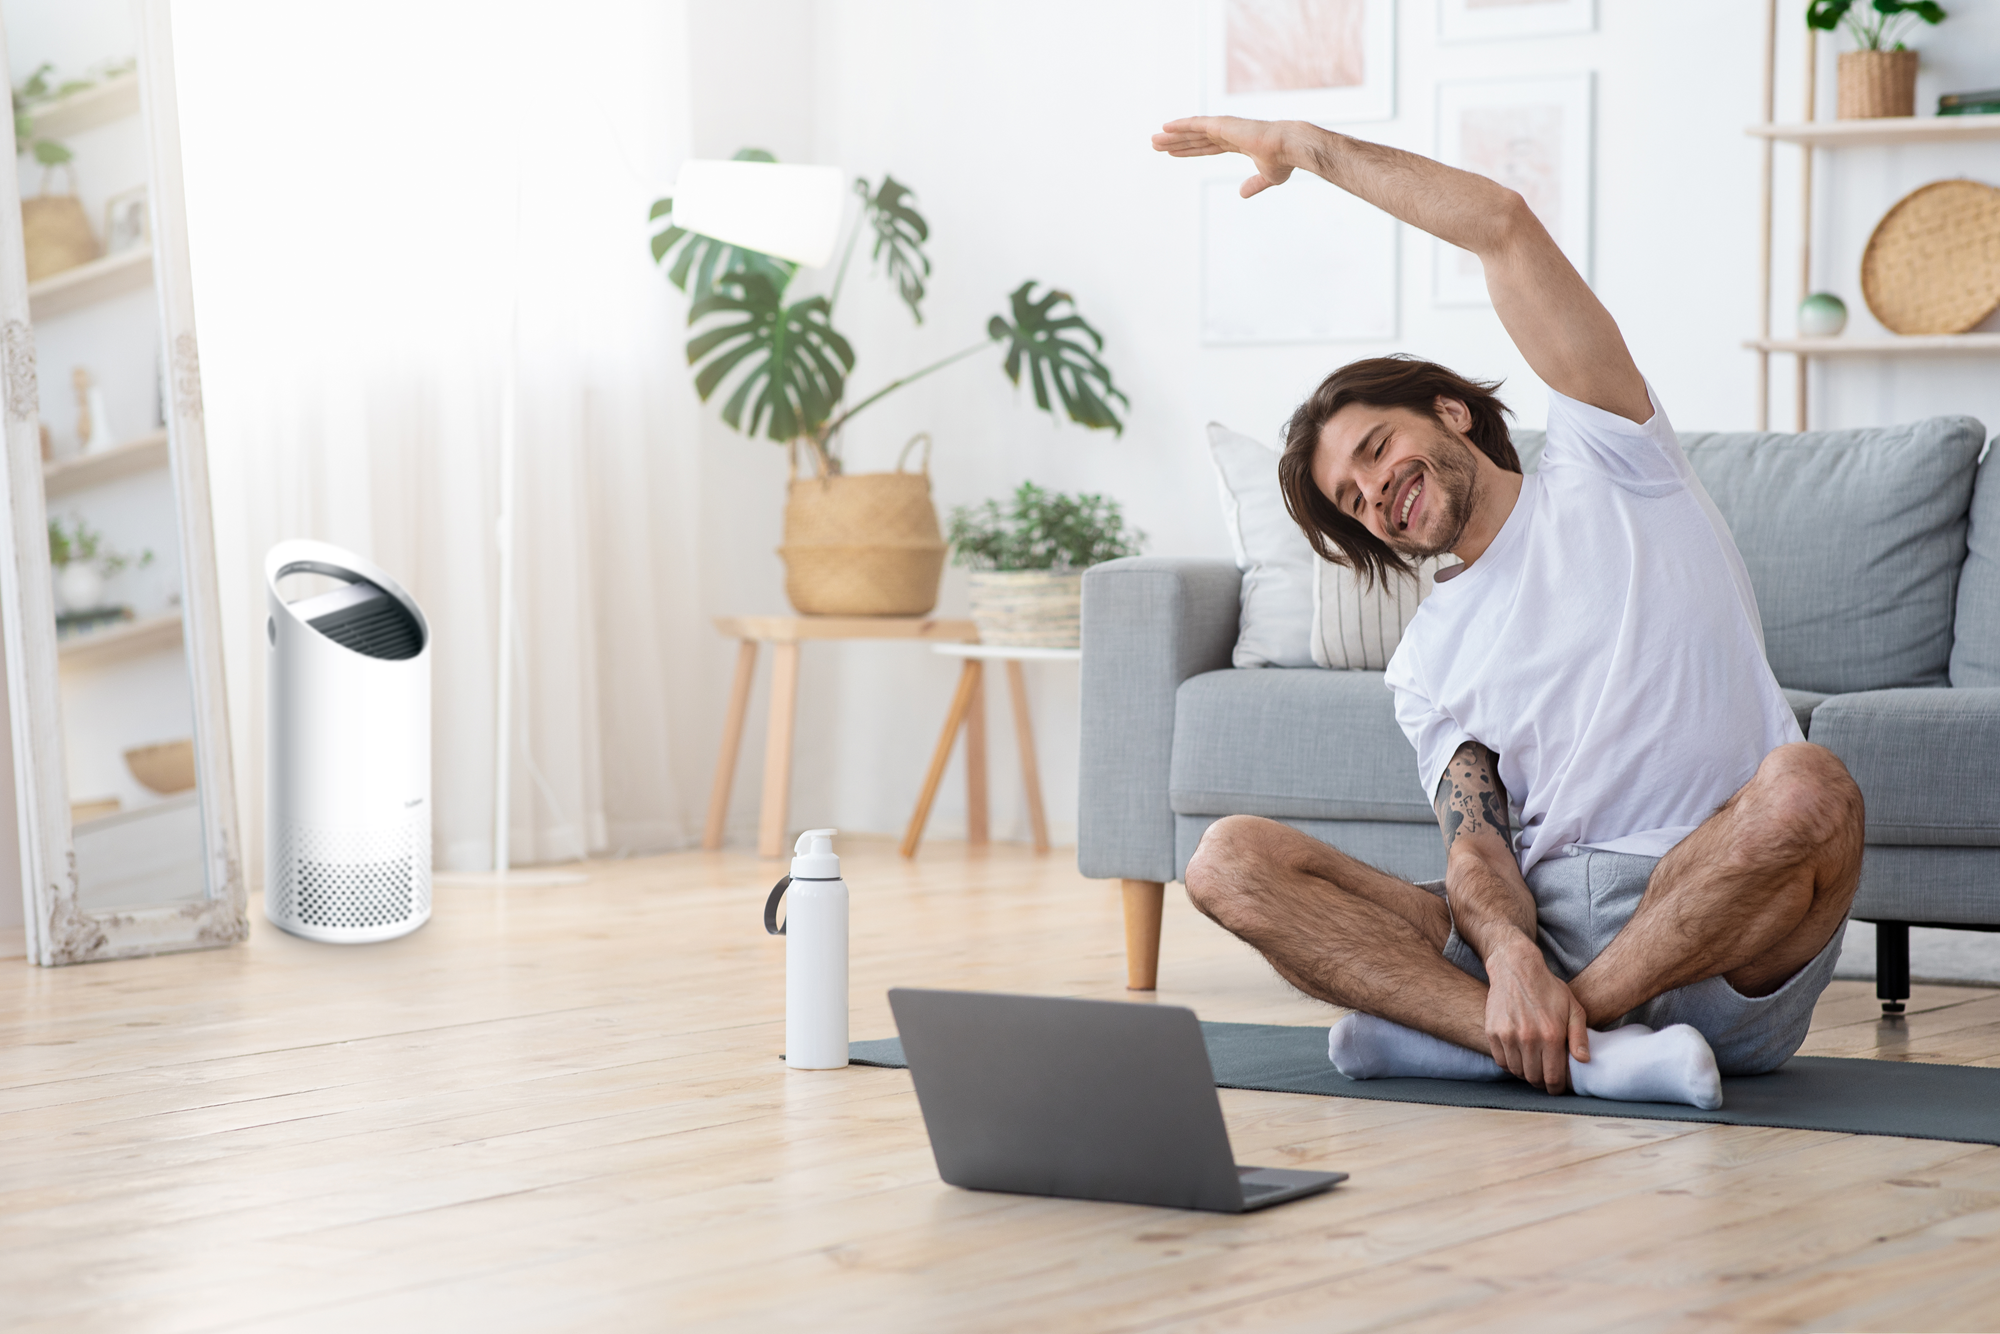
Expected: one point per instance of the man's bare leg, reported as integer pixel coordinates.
(1337, 928)
(1752, 895)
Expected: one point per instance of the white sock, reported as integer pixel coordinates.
(1635, 1064)
(1364, 1047)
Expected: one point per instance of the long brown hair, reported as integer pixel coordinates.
(1379, 382)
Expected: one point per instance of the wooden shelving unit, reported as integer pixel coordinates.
(1890, 130)
(111, 100)
(127, 640)
(1808, 135)
(61, 477)
(126, 271)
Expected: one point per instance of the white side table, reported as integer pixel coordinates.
(969, 697)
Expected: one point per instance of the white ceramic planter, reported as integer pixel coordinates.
(1028, 608)
(80, 586)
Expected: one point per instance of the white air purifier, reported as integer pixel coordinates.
(347, 761)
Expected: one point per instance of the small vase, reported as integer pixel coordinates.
(1028, 608)
(1874, 84)
(80, 586)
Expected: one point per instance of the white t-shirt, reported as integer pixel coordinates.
(1606, 647)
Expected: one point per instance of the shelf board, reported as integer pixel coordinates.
(87, 283)
(1885, 130)
(1881, 345)
(111, 100)
(62, 476)
(128, 639)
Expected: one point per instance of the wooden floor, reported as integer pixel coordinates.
(561, 1108)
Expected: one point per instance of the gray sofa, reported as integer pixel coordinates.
(1875, 555)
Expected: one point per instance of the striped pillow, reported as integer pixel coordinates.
(1356, 628)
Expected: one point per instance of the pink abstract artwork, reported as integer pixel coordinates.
(1294, 45)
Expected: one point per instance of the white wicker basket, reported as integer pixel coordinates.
(1028, 608)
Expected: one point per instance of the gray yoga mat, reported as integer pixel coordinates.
(1909, 1099)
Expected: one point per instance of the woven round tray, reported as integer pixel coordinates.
(1933, 263)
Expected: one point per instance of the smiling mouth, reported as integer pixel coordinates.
(1409, 500)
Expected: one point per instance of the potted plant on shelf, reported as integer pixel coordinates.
(1879, 77)
(1028, 559)
(82, 563)
(866, 544)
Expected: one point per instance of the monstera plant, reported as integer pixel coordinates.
(790, 365)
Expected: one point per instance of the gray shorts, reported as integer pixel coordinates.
(1582, 901)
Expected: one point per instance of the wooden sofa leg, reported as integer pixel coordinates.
(1892, 965)
(1144, 900)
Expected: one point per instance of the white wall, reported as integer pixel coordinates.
(1023, 127)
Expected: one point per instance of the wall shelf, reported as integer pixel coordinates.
(129, 639)
(1885, 130)
(1880, 345)
(63, 476)
(111, 100)
(111, 276)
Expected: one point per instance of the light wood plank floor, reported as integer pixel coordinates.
(561, 1108)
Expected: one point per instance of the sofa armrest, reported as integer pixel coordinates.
(1149, 623)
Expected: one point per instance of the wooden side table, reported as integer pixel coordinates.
(968, 711)
(785, 634)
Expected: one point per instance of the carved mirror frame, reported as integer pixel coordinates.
(59, 928)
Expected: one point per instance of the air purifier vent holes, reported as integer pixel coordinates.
(344, 880)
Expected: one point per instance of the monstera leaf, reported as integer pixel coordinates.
(900, 233)
(1049, 343)
(701, 260)
(797, 363)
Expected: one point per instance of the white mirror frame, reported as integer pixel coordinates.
(59, 929)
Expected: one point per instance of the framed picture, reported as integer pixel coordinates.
(126, 222)
(1304, 263)
(1532, 135)
(1482, 20)
(1326, 61)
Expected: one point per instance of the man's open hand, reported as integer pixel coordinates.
(1262, 141)
(1533, 1023)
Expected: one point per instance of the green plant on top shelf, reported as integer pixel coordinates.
(794, 364)
(39, 91)
(80, 544)
(1877, 25)
(1041, 530)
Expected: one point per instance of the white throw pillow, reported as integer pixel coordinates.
(1358, 628)
(1277, 621)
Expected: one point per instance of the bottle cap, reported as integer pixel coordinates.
(815, 859)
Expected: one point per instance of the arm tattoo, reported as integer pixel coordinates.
(1470, 796)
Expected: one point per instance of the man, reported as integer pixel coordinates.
(1637, 837)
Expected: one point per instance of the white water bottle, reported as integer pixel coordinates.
(815, 933)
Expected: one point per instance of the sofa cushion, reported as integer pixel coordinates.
(1975, 644)
(1853, 540)
(1308, 744)
(1924, 760)
(1803, 703)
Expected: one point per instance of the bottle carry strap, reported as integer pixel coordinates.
(771, 926)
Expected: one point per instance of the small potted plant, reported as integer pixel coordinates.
(82, 563)
(1028, 559)
(1879, 77)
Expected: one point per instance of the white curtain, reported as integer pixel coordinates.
(374, 190)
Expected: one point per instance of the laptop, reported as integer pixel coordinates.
(1090, 1100)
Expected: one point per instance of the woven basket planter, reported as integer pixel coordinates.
(1028, 608)
(866, 544)
(1874, 84)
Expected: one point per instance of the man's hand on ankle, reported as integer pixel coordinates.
(1533, 1023)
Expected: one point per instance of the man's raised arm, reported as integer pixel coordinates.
(1557, 322)
(1533, 1023)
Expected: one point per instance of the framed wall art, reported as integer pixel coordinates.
(1531, 135)
(1302, 263)
(1484, 20)
(1326, 61)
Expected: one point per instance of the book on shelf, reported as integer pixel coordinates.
(1985, 102)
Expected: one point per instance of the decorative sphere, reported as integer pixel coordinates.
(1822, 315)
